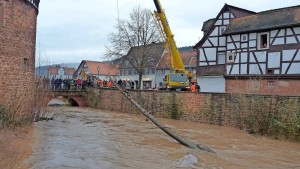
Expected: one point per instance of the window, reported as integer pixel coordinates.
(222, 29)
(133, 72)
(270, 71)
(146, 72)
(230, 57)
(126, 72)
(263, 41)
(126, 63)
(244, 38)
(26, 61)
(152, 70)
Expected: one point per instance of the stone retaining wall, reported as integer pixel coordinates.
(264, 114)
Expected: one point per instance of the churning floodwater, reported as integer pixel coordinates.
(86, 138)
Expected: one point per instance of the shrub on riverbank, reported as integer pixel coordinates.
(275, 116)
(9, 118)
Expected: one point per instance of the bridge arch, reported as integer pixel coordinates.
(75, 98)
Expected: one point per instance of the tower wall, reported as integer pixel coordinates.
(18, 20)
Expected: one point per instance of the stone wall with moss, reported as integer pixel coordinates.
(276, 116)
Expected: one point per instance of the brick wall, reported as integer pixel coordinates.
(265, 114)
(17, 55)
(288, 87)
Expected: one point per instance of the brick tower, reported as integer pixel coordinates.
(18, 20)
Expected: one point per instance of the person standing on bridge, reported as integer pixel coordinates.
(198, 87)
(99, 83)
(193, 87)
(78, 83)
(109, 83)
(52, 83)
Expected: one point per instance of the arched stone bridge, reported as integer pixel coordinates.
(75, 97)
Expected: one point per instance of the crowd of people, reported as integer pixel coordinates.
(77, 83)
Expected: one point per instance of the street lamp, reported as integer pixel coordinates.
(191, 63)
(98, 68)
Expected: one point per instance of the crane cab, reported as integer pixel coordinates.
(176, 81)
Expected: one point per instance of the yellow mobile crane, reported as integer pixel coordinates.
(178, 77)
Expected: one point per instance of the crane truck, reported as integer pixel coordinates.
(178, 78)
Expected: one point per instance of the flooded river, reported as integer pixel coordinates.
(86, 138)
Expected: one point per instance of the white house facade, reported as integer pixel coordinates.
(58, 72)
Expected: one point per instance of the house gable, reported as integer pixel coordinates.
(212, 47)
(227, 12)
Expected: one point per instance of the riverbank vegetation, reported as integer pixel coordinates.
(10, 119)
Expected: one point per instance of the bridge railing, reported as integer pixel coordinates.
(35, 3)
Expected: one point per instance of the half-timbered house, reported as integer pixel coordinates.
(249, 52)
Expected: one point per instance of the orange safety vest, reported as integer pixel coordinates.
(193, 88)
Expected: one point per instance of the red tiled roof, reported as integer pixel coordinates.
(105, 68)
(69, 71)
(272, 19)
(53, 70)
(187, 57)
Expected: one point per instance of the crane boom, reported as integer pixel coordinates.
(176, 60)
(178, 77)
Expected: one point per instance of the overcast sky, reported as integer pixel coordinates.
(70, 31)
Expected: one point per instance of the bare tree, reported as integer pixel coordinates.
(136, 40)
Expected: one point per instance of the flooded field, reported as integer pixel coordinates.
(95, 139)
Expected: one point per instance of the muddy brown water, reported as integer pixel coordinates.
(86, 138)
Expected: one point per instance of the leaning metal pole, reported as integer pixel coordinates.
(167, 130)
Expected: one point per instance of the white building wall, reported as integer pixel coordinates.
(211, 54)
(261, 56)
(274, 60)
(297, 30)
(214, 84)
(294, 69)
(263, 60)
